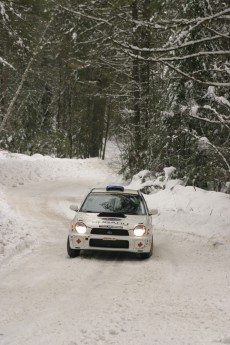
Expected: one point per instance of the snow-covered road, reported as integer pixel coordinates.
(179, 296)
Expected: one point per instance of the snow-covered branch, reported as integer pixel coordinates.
(177, 58)
(171, 48)
(179, 71)
(189, 76)
(220, 34)
(205, 119)
(174, 23)
(202, 53)
(85, 15)
(197, 21)
(5, 63)
(211, 94)
(215, 148)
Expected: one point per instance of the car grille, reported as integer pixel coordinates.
(94, 242)
(107, 231)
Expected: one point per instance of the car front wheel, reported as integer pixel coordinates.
(72, 252)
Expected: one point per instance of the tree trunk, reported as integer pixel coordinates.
(107, 118)
(136, 91)
(23, 79)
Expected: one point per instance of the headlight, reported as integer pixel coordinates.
(139, 230)
(80, 228)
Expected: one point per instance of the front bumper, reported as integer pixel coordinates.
(132, 244)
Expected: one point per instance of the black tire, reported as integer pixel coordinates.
(147, 255)
(73, 253)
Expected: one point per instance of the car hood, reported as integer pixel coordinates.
(93, 221)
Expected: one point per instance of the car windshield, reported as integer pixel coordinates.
(114, 203)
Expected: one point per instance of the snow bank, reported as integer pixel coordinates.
(14, 236)
(193, 211)
(17, 170)
(185, 209)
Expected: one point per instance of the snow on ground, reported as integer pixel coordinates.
(182, 209)
(180, 296)
(18, 170)
(185, 209)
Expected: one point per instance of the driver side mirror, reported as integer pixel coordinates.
(153, 211)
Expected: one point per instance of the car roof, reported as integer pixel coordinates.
(114, 191)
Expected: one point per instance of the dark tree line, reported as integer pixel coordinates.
(154, 75)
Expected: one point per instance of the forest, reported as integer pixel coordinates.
(153, 75)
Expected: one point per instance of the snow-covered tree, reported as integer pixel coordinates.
(154, 74)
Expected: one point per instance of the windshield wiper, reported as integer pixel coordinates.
(111, 214)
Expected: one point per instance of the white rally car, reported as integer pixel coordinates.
(112, 219)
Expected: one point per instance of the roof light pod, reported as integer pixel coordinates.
(118, 188)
